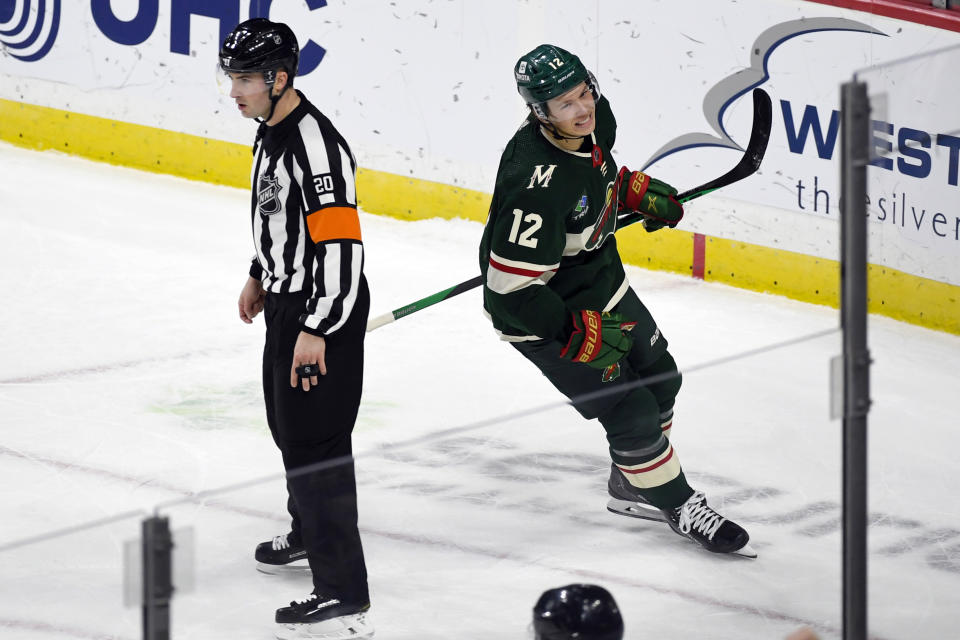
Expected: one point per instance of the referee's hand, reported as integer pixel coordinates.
(251, 300)
(309, 350)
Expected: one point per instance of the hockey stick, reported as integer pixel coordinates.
(749, 163)
(423, 303)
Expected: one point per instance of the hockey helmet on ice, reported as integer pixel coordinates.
(547, 72)
(577, 612)
(261, 45)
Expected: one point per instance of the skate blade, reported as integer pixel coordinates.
(746, 551)
(635, 510)
(296, 567)
(355, 627)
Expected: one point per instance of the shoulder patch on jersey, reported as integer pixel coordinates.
(583, 205)
(596, 155)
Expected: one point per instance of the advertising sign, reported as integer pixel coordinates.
(424, 89)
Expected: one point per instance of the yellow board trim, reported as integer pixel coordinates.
(662, 250)
(408, 198)
(758, 268)
(893, 293)
(129, 145)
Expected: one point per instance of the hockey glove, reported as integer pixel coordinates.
(650, 225)
(656, 201)
(598, 339)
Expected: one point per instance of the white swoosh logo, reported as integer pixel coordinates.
(725, 92)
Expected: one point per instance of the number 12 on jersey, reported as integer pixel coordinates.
(525, 238)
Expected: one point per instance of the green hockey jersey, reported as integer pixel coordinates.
(548, 246)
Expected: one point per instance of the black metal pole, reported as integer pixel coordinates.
(855, 156)
(157, 577)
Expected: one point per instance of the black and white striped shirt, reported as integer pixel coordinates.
(304, 216)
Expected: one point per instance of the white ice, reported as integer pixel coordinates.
(127, 381)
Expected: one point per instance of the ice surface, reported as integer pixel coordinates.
(127, 381)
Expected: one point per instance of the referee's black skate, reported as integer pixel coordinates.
(625, 499)
(283, 554)
(318, 616)
(695, 519)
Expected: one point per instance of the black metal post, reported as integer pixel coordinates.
(855, 156)
(157, 544)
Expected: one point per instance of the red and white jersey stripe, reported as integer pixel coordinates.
(506, 276)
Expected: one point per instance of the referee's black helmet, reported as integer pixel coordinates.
(258, 45)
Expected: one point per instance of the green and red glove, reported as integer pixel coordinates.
(598, 339)
(656, 201)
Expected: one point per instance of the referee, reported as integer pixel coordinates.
(307, 278)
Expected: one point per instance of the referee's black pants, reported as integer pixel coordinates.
(315, 426)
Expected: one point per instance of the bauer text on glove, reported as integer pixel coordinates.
(655, 200)
(598, 339)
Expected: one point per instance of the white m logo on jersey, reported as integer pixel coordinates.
(541, 177)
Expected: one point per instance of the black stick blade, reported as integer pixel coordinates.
(752, 156)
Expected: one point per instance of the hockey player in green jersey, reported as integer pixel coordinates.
(554, 286)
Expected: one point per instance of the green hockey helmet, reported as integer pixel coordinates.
(547, 72)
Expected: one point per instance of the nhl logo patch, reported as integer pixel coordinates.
(268, 195)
